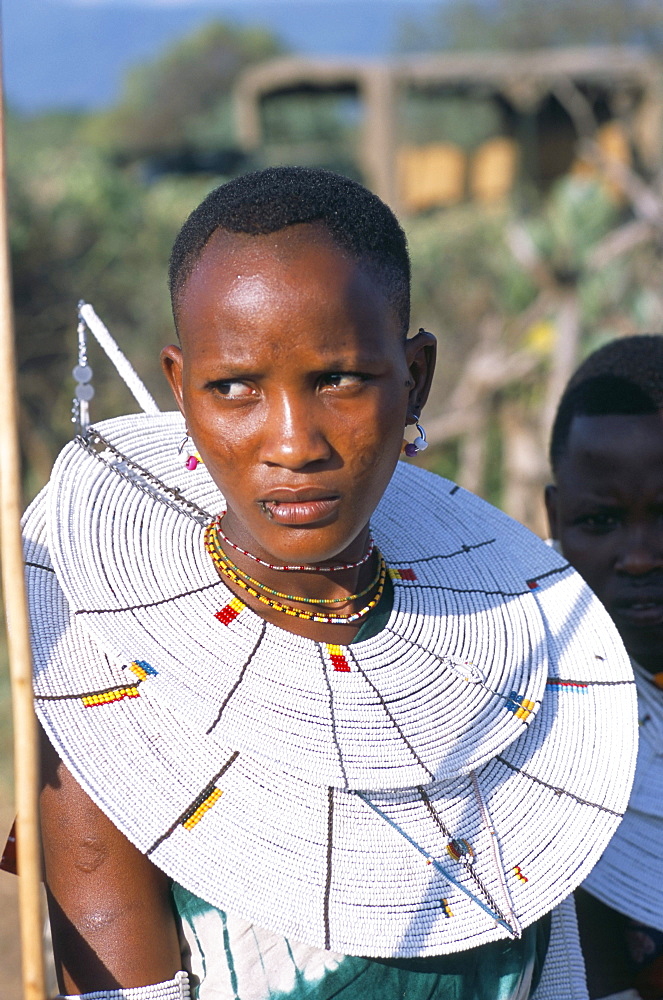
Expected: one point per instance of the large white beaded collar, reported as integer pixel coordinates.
(629, 875)
(428, 789)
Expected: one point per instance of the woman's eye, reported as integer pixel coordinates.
(233, 389)
(342, 380)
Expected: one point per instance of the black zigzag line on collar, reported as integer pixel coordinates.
(150, 604)
(451, 555)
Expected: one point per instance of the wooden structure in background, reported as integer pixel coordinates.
(621, 84)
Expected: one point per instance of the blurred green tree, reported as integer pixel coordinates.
(530, 24)
(182, 99)
(82, 228)
(518, 301)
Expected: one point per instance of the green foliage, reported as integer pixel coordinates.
(620, 296)
(575, 216)
(463, 270)
(82, 228)
(433, 117)
(309, 118)
(529, 24)
(310, 130)
(181, 100)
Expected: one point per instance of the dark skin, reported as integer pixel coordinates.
(102, 894)
(296, 389)
(296, 381)
(606, 510)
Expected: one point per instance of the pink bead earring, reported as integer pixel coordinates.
(191, 458)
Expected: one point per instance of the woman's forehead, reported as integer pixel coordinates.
(285, 248)
(298, 274)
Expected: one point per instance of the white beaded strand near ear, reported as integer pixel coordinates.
(84, 391)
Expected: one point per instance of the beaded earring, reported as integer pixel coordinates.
(192, 459)
(419, 444)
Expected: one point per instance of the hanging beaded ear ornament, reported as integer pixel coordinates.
(84, 390)
(192, 459)
(419, 444)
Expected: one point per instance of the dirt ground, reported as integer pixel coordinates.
(10, 953)
(10, 948)
(9, 943)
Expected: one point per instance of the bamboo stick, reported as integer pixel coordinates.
(26, 752)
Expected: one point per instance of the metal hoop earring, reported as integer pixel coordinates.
(419, 444)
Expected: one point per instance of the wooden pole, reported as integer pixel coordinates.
(26, 751)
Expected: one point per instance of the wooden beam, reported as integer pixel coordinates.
(26, 753)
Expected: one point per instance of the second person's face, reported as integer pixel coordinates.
(607, 512)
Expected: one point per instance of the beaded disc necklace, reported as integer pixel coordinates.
(480, 669)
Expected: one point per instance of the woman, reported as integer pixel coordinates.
(342, 725)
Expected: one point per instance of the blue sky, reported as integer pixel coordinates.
(74, 53)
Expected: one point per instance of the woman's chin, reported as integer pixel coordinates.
(313, 544)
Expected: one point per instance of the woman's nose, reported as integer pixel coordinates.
(292, 434)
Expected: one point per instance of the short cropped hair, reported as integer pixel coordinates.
(268, 201)
(623, 377)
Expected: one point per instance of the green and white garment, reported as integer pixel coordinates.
(232, 959)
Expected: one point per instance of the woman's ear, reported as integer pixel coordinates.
(420, 351)
(171, 364)
(551, 508)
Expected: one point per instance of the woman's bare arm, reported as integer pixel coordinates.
(110, 907)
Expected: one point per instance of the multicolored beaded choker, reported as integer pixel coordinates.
(295, 569)
(224, 569)
(347, 599)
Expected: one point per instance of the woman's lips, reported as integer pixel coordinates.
(297, 512)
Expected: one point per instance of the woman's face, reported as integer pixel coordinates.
(296, 384)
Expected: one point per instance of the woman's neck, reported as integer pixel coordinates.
(343, 592)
